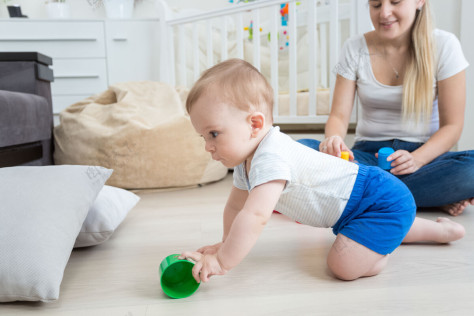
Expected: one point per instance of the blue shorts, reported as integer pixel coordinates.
(380, 211)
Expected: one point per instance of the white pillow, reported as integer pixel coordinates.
(41, 212)
(106, 214)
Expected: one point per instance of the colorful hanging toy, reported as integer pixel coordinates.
(284, 14)
(282, 35)
(250, 29)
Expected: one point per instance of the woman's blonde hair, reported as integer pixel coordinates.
(418, 95)
(237, 82)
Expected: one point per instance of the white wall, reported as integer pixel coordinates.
(447, 15)
(456, 16)
(467, 41)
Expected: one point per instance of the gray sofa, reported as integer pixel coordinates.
(26, 116)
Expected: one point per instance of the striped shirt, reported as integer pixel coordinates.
(318, 185)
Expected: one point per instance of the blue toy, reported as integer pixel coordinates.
(384, 152)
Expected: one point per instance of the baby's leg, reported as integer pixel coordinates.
(443, 230)
(349, 260)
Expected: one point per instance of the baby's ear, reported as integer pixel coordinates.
(257, 121)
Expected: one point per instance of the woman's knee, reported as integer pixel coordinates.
(467, 161)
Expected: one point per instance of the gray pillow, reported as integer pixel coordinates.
(108, 211)
(41, 212)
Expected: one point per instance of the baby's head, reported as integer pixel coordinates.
(237, 83)
(230, 106)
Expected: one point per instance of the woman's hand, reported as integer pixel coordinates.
(210, 250)
(334, 145)
(205, 267)
(403, 162)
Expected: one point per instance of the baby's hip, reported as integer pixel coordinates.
(380, 197)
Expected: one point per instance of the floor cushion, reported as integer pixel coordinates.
(42, 210)
(139, 129)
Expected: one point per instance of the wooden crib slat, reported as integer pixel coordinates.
(165, 50)
(292, 56)
(171, 75)
(333, 41)
(274, 20)
(240, 35)
(209, 50)
(256, 38)
(196, 51)
(312, 56)
(223, 38)
(323, 55)
(181, 63)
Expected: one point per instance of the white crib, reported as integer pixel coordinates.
(298, 64)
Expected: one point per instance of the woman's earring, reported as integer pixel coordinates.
(420, 7)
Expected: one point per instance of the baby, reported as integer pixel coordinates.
(370, 211)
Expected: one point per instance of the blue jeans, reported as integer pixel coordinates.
(447, 179)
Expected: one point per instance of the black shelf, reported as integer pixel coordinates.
(26, 56)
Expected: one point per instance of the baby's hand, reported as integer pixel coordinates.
(210, 250)
(205, 267)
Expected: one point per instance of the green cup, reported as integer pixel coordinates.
(176, 277)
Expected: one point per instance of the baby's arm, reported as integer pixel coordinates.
(235, 204)
(245, 228)
(249, 223)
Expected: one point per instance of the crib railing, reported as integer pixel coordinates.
(322, 20)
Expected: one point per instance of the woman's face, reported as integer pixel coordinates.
(393, 19)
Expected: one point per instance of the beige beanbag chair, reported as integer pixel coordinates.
(139, 129)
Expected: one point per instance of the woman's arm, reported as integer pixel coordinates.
(338, 121)
(451, 105)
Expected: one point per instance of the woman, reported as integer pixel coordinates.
(410, 80)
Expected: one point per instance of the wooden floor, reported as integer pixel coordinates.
(285, 274)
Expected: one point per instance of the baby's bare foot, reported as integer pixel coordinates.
(452, 230)
(457, 208)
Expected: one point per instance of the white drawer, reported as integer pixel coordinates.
(58, 39)
(79, 76)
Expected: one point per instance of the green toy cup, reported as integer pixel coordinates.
(176, 277)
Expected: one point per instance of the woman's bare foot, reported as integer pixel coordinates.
(452, 230)
(457, 208)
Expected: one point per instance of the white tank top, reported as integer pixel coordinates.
(381, 105)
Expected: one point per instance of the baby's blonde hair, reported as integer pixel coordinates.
(237, 82)
(418, 95)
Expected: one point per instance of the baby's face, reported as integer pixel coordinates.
(225, 129)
